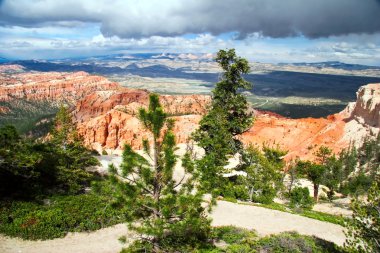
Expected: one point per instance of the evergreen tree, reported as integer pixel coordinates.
(263, 170)
(72, 157)
(31, 167)
(363, 233)
(166, 213)
(228, 117)
(314, 172)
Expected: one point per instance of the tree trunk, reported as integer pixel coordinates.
(316, 188)
(157, 177)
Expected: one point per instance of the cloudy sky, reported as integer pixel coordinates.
(261, 30)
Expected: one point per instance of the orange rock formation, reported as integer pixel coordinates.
(51, 86)
(105, 113)
(107, 119)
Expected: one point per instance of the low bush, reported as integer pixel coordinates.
(292, 242)
(233, 190)
(265, 196)
(300, 198)
(231, 234)
(58, 215)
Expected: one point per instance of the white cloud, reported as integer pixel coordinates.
(146, 18)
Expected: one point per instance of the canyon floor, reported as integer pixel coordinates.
(264, 221)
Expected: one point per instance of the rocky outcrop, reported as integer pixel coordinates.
(10, 68)
(106, 114)
(108, 119)
(302, 137)
(367, 107)
(51, 86)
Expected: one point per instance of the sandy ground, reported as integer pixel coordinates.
(102, 241)
(268, 221)
(264, 221)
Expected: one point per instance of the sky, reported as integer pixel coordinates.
(261, 30)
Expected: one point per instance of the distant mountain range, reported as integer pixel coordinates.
(191, 57)
(3, 60)
(332, 64)
(146, 56)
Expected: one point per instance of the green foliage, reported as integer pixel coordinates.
(366, 160)
(234, 188)
(30, 167)
(227, 118)
(8, 136)
(263, 170)
(338, 170)
(357, 185)
(232, 234)
(246, 241)
(300, 198)
(339, 220)
(292, 242)
(164, 212)
(32, 118)
(57, 215)
(313, 172)
(364, 227)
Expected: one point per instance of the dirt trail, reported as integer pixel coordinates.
(264, 221)
(267, 221)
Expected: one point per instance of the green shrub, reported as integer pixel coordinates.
(357, 185)
(232, 234)
(232, 190)
(292, 242)
(104, 152)
(239, 248)
(243, 241)
(58, 216)
(300, 198)
(265, 196)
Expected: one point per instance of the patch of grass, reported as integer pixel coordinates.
(57, 215)
(339, 220)
(274, 206)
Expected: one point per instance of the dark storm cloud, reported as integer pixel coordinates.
(143, 18)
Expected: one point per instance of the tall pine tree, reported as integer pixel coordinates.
(166, 213)
(227, 118)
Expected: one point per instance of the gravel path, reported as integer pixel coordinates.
(101, 241)
(264, 221)
(267, 221)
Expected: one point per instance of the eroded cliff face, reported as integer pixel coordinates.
(106, 114)
(50, 86)
(302, 137)
(367, 106)
(108, 119)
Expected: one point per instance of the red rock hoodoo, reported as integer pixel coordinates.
(105, 113)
